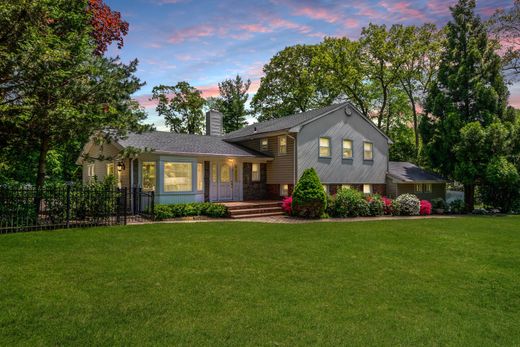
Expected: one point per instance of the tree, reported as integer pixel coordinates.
(181, 106)
(54, 87)
(422, 47)
(232, 102)
(309, 199)
(469, 88)
(505, 25)
(290, 85)
(107, 25)
(344, 73)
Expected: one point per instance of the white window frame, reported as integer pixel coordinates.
(329, 147)
(264, 147)
(427, 188)
(255, 174)
(351, 149)
(91, 170)
(418, 188)
(371, 151)
(191, 176)
(367, 189)
(284, 190)
(284, 151)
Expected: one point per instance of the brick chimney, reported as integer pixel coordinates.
(214, 123)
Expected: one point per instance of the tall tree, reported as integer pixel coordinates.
(469, 88)
(107, 25)
(59, 88)
(182, 107)
(290, 85)
(422, 48)
(505, 24)
(232, 102)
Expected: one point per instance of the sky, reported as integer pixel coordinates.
(204, 42)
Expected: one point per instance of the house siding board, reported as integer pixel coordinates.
(100, 169)
(254, 190)
(281, 169)
(338, 126)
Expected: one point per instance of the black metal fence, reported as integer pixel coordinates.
(26, 209)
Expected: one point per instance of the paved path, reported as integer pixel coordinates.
(293, 220)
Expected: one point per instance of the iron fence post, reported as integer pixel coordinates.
(68, 205)
(124, 205)
(152, 205)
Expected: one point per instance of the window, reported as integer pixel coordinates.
(200, 177)
(418, 188)
(324, 147)
(427, 188)
(110, 169)
(282, 145)
(347, 149)
(368, 151)
(284, 190)
(214, 172)
(367, 188)
(264, 145)
(255, 173)
(225, 173)
(91, 170)
(148, 172)
(178, 177)
(325, 188)
(345, 186)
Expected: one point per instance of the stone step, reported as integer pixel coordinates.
(258, 210)
(258, 215)
(249, 206)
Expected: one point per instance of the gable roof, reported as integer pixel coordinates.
(165, 142)
(293, 122)
(410, 173)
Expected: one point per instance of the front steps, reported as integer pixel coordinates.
(254, 209)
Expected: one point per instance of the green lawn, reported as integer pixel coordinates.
(401, 282)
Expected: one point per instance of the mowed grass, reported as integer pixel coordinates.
(402, 282)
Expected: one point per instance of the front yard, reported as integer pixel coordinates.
(400, 282)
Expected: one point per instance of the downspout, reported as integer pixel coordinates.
(294, 159)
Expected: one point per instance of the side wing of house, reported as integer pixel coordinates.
(357, 153)
(101, 162)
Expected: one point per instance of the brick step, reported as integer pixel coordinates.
(258, 215)
(255, 206)
(259, 210)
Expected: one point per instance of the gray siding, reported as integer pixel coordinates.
(338, 126)
(281, 169)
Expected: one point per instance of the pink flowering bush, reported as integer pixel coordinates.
(387, 205)
(287, 205)
(426, 208)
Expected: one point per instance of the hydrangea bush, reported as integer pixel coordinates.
(406, 205)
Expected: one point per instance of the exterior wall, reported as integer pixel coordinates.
(254, 190)
(438, 191)
(376, 188)
(281, 169)
(106, 150)
(273, 191)
(335, 170)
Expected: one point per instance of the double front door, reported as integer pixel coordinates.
(225, 182)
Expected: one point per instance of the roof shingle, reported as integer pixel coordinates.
(408, 172)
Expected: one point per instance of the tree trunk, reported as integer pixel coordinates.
(469, 197)
(415, 127)
(383, 107)
(42, 161)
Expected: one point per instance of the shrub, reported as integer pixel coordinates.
(439, 204)
(376, 206)
(349, 203)
(309, 198)
(406, 205)
(426, 208)
(457, 206)
(388, 209)
(331, 205)
(286, 205)
(191, 209)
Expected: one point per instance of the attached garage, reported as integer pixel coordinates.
(408, 178)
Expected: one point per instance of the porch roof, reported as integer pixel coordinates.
(405, 172)
(165, 142)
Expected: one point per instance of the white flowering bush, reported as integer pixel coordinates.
(406, 205)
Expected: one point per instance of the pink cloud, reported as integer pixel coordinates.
(403, 8)
(255, 28)
(318, 14)
(191, 33)
(514, 99)
(439, 7)
(351, 23)
(367, 11)
(144, 101)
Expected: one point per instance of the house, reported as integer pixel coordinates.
(262, 160)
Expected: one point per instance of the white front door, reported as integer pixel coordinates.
(225, 182)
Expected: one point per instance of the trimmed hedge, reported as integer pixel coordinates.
(208, 209)
(309, 199)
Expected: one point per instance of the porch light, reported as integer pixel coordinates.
(120, 166)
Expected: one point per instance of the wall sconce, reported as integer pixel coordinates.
(120, 166)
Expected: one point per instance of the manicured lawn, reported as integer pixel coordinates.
(423, 282)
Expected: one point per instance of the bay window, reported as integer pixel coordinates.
(178, 177)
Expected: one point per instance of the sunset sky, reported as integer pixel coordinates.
(204, 42)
